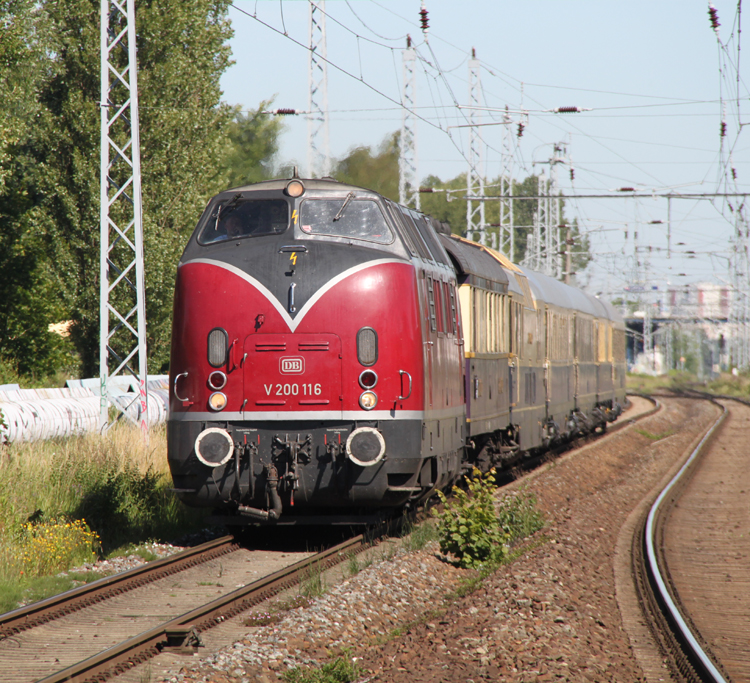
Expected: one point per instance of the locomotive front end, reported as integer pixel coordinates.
(297, 367)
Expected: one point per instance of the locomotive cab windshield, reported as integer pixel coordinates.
(238, 218)
(360, 219)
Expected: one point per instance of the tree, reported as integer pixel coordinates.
(182, 52)
(374, 169)
(27, 301)
(252, 144)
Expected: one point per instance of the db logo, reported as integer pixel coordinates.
(291, 366)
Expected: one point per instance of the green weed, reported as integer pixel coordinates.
(655, 437)
(341, 670)
(519, 516)
(417, 536)
(313, 584)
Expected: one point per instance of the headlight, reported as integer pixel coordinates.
(295, 188)
(217, 401)
(368, 400)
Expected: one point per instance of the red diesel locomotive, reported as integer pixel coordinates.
(321, 373)
(304, 379)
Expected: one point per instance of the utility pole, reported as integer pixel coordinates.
(475, 223)
(318, 151)
(122, 345)
(408, 179)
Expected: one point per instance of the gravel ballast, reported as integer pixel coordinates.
(550, 615)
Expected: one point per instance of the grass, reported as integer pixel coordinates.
(77, 499)
(726, 384)
(313, 583)
(340, 670)
(655, 437)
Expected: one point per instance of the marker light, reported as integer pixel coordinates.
(368, 400)
(367, 380)
(217, 380)
(217, 401)
(295, 188)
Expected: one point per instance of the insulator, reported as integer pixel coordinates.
(408, 40)
(626, 189)
(426, 190)
(423, 19)
(285, 112)
(567, 110)
(572, 174)
(714, 16)
(723, 130)
(519, 134)
(734, 174)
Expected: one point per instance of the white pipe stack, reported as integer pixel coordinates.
(36, 414)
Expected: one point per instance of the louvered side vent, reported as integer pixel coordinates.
(367, 346)
(217, 347)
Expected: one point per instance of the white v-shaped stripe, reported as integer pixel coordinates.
(293, 323)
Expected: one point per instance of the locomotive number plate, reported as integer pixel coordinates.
(293, 389)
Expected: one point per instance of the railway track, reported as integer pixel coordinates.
(179, 635)
(48, 628)
(685, 549)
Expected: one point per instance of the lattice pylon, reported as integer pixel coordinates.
(408, 179)
(122, 345)
(543, 244)
(506, 235)
(475, 222)
(318, 143)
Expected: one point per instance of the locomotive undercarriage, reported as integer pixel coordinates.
(307, 471)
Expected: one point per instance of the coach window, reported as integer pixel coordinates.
(359, 219)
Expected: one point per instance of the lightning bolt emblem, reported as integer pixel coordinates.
(293, 258)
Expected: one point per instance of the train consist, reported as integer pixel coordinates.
(337, 356)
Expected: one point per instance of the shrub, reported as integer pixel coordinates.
(468, 527)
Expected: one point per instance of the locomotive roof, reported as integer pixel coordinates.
(309, 183)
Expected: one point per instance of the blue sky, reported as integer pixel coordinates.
(652, 74)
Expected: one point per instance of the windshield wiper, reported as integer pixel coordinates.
(229, 205)
(343, 206)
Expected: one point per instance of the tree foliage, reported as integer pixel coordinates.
(192, 145)
(375, 169)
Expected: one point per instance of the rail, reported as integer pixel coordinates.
(183, 632)
(696, 653)
(76, 599)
